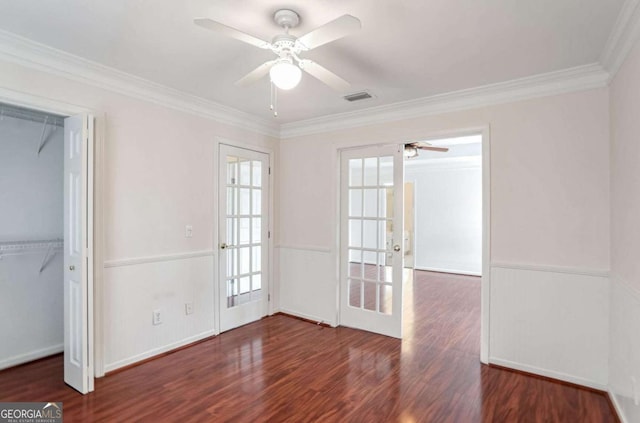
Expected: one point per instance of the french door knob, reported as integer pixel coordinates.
(396, 248)
(224, 246)
(72, 268)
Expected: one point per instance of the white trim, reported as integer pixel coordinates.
(34, 55)
(444, 270)
(306, 316)
(552, 269)
(548, 373)
(485, 282)
(305, 248)
(31, 356)
(558, 82)
(156, 351)
(616, 405)
(156, 259)
(623, 36)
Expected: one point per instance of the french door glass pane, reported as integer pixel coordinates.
(370, 233)
(245, 172)
(244, 230)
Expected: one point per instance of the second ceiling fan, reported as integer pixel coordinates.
(285, 69)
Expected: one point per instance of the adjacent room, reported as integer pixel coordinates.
(414, 211)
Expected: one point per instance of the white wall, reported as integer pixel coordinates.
(160, 174)
(549, 208)
(448, 211)
(31, 190)
(625, 242)
(31, 208)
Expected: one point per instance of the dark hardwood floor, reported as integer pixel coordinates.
(282, 369)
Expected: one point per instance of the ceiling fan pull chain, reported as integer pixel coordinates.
(274, 99)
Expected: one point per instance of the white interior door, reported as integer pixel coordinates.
(243, 228)
(78, 230)
(371, 228)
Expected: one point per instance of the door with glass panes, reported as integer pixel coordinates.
(243, 233)
(371, 203)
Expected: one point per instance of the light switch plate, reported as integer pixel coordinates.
(188, 231)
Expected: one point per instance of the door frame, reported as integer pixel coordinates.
(218, 141)
(485, 281)
(95, 171)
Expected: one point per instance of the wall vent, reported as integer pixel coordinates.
(358, 96)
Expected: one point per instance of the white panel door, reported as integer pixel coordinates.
(371, 243)
(243, 228)
(78, 281)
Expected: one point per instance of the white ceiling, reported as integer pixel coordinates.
(406, 49)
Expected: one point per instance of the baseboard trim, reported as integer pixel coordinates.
(139, 359)
(157, 259)
(315, 322)
(16, 360)
(444, 270)
(307, 317)
(615, 405)
(550, 374)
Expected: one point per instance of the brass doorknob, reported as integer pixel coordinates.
(396, 248)
(224, 246)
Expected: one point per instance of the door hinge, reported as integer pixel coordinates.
(268, 234)
(268, 297)
(269, 170)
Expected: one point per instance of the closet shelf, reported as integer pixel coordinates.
(48, 246)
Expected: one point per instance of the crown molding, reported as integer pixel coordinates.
(33, 55)
(623, 36)
(559, 82)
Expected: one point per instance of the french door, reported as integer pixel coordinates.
(243, 231)
(371, 198)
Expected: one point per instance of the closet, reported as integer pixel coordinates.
(31, 235)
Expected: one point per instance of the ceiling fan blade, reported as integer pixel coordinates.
(331, 31)
(432, 148)
(325, 75)
(230, 32)
(255, 74)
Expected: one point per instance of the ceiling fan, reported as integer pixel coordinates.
(411, 149)
(285, 69)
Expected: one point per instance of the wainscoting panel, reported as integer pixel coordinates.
(624, 359)
(133, 291)
(308, 283)
(550, 322)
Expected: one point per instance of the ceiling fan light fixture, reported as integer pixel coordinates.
(410, 151)
(285, 75)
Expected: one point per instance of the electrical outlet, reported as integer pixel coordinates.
(157, 317)
(188, 308)
(634, 391)
(188, 231)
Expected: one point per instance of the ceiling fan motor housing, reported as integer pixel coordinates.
(286, 18)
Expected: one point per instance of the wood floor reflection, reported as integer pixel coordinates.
(285, 370)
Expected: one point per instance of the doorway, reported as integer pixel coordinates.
(460, 143)
(243, 227)
(46, 239)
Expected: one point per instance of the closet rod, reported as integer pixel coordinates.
(7, 110)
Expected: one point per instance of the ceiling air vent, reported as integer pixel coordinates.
(358, 96)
